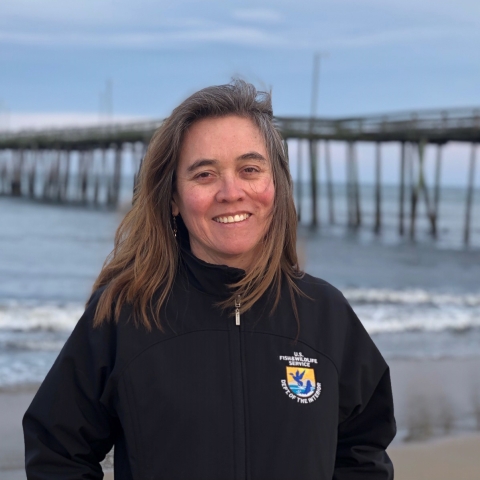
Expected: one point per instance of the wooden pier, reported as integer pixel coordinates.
(84, 165)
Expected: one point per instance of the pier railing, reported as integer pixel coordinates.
(436, 126)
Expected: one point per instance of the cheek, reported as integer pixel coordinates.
(193, 204)
(266, 197)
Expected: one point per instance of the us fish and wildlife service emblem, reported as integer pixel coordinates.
(299, 383)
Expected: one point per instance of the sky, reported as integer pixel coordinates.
(66, 62)
(56, 56)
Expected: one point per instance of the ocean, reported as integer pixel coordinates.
(418, 300)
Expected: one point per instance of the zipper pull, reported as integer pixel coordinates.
(237, 310)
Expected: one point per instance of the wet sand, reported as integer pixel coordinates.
(12, 407)
(434, 398)
(437, 405)
(449, 458)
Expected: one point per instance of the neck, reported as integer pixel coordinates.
(242, 261)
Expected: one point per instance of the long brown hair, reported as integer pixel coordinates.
(145, 257)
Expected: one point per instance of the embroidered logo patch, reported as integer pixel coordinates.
(299, 383)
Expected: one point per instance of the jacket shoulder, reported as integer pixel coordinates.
(334, 324)
(319, 290)
(339, 334)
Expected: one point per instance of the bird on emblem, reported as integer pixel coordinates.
(298, 377)
(308, 388)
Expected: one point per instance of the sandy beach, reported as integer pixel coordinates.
(449, 458)
(12, 407)
(435, 398)
(437, 411)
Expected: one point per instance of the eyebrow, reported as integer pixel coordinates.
(207, 161)
(201, 163)
(252, 156)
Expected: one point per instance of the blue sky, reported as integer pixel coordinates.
(56, 55)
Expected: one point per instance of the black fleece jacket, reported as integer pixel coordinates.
(212, 400)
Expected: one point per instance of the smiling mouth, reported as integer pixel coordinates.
(232, 219)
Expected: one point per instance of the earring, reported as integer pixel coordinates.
(174, 226)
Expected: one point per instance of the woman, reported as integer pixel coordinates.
(204, 352)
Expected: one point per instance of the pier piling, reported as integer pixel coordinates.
(378, 192)
(299, 180)
(413, 191)
(328, 176)
(469, 199)
(313, 181)
(401, 200)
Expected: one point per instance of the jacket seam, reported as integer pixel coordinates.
(302, 342)
(122, 372)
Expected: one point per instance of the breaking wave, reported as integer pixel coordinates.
(385, 310)
(380, 310)
(27, 316)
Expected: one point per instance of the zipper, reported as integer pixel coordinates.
(237, 310)
(238, 390)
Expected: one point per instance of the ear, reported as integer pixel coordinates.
(175, 209)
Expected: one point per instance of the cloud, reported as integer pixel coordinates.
(246, 36)
(243, 36)
(84, 13)
(400, 36)
(307, 25)
(26, 121)
(261, 15)
(403, 37)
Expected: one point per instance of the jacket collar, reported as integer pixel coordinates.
(207, 277)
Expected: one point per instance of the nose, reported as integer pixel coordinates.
(230, 189)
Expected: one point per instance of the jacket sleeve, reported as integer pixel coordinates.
(366, 417)
(70, 426)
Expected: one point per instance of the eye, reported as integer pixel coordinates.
(203, 175)
(251, 170)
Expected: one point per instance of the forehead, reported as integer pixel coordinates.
(220, 138)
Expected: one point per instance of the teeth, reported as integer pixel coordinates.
(230, 219)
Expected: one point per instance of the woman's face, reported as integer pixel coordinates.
(224, 190)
